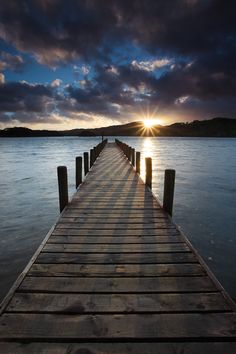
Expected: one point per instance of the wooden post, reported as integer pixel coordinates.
(138, 162)
(78, 171)
(133, 156)
(62, 186)
(95, 153)
(169, 186)
(148, 163)
(129, 153)
(86, 163)
(91, 158)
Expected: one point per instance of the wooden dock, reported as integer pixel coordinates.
(116, 276)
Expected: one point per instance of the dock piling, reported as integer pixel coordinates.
(127, 151)
(95, 152)
(133, 156)
(169, 186)
(91, 157)
(138, 162)
(86, 163)
(78, 171)
(130, 153)
(148, 164)
(62, 186)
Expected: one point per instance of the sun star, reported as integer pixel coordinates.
(149, 123)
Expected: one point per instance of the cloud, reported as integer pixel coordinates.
(22, 96)
(57, 31)
(177, 90)
(61, 31)
(56, 83)
(2, 79)
(85, 69)
(8, 61)
(150, 65)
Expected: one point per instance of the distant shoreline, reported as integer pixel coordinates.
(123, 136)
(212, 128)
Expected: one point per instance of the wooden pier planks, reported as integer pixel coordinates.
(115, 272)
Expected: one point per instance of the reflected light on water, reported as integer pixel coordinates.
(148, 152)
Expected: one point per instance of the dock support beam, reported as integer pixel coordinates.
(169, 186)
(130, 153)
(86, 163)
(127, 151)
(148, 163)
(78, 171)
(138, 162)
(133, 156)
(62, 186)
(91, 157)
(94, 153)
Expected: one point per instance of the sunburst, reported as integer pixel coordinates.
(149, 122)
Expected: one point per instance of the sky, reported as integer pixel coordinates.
(68, 64)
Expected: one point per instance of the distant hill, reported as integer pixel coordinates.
(216, 127)
(26, 132)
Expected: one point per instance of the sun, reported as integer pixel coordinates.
(149, 123)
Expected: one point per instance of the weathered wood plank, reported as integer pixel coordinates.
(113, 220)
(75, 217)
(118, 348)
(114, 239)
(116, 248)
(116, 258)
(120, 192)
(111, 194)
(117, 209)
(117, 303)
(118, 285)
(106, 176)
(113, 190)
(115, 232)
(100, 176)
(118, 183)
(120, 200)
(116, 226)
(113, 213)
(116, 203)
(157, 326)
(127, 270)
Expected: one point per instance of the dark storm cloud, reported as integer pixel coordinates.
(108, 90)
(181, 26)
(22, 96)
(28, 103)
(198, 36)
(59, 30)
(191, 79)
(90, 101)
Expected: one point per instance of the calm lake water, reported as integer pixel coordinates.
(205, 195)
